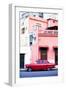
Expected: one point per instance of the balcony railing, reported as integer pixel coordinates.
(51, 33)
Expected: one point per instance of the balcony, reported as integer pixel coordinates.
(48, 33)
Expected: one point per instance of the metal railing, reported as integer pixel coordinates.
(48, 33)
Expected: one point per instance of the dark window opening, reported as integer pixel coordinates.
(22, 56)
(31, 39)
(26, 16)
(43, 52)
(54, 21)
(41, 15)
(56, 55)
(34, 15)
(23, 30)
(53, 28)
(30, 43)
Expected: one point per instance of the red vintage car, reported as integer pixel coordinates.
(41, 65)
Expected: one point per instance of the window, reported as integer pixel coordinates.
(53, 28)
(25, 15)
(54, 21)
(22, 57)
(34, 27)
(37, 26)
(31, 39)
(56, 55)
(43, 52)
(34, 15)
(23, 30)
(41, 15)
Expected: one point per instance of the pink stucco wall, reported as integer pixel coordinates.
(33, 21)
(52, 22)
(49, 42)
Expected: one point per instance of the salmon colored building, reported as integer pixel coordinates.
(45, 44)
(43, 39)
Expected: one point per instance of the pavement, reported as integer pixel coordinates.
(24, 73)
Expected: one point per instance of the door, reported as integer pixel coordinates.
(43, 52)
(22, 56)
(56, 55)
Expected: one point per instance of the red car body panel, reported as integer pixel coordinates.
(40, 66)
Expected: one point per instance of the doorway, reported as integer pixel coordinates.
(43, 52)
(56, 55)
(22, 56)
